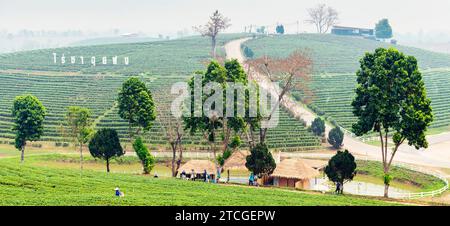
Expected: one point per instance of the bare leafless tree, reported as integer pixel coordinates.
(173, 131)
(323, 17)
(217, 23)
(292, 73)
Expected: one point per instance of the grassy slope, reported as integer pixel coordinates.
(400, 176)
(32, 185)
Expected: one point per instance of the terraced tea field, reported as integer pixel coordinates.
(335, 63)
(334, 101)
(99, 92)
(160, 64)
(337, 54)
(181, 57)
(56, 93)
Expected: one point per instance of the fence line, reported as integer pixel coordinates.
(410, 195)
(415, 195)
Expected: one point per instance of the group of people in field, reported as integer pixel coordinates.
(204, 176)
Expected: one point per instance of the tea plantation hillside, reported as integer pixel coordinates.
(336, 60)
(337, 54)
(180, 56)
(334, 100)
(99, 92)
(160, 64)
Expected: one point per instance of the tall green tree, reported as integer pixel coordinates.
(341, 168)
(105, 144)
(136, 105)
(383, 29)
(147, 160)
(78, 121)
(336, 137)
(391, 98)
(217, 127)
(28, 114)
(318, 126)
(260, 161)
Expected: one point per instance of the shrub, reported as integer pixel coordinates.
(248, 53)
(147, 160)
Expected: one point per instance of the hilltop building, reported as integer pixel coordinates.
(353, 31)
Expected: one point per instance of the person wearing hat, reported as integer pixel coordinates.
(118, 192)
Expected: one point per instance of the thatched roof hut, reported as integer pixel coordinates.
(198, 166)
(236, 161)
(294, 173)
(316, 164)
(294, 169)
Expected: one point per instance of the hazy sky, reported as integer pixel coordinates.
(169, 16)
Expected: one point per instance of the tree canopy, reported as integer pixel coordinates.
(78, 121)
(28, 115)
(336, 137)
(136, 105)
(341, 167)
(318, 126)
(231, 73)
(383, 29)
(280, 29)
(260, 161)
(105, 144)
(391, 99)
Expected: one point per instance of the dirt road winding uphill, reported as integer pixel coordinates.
(437, 155)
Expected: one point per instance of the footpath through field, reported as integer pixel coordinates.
(437, 155)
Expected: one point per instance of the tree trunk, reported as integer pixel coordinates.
(180, 158)
(213, 46)
(174, 152)
(81, 156)
(386, 190)
(130, 133)
(107, 165)
(22, 154)
(214, 145)
(386, 185)
(262, 135)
